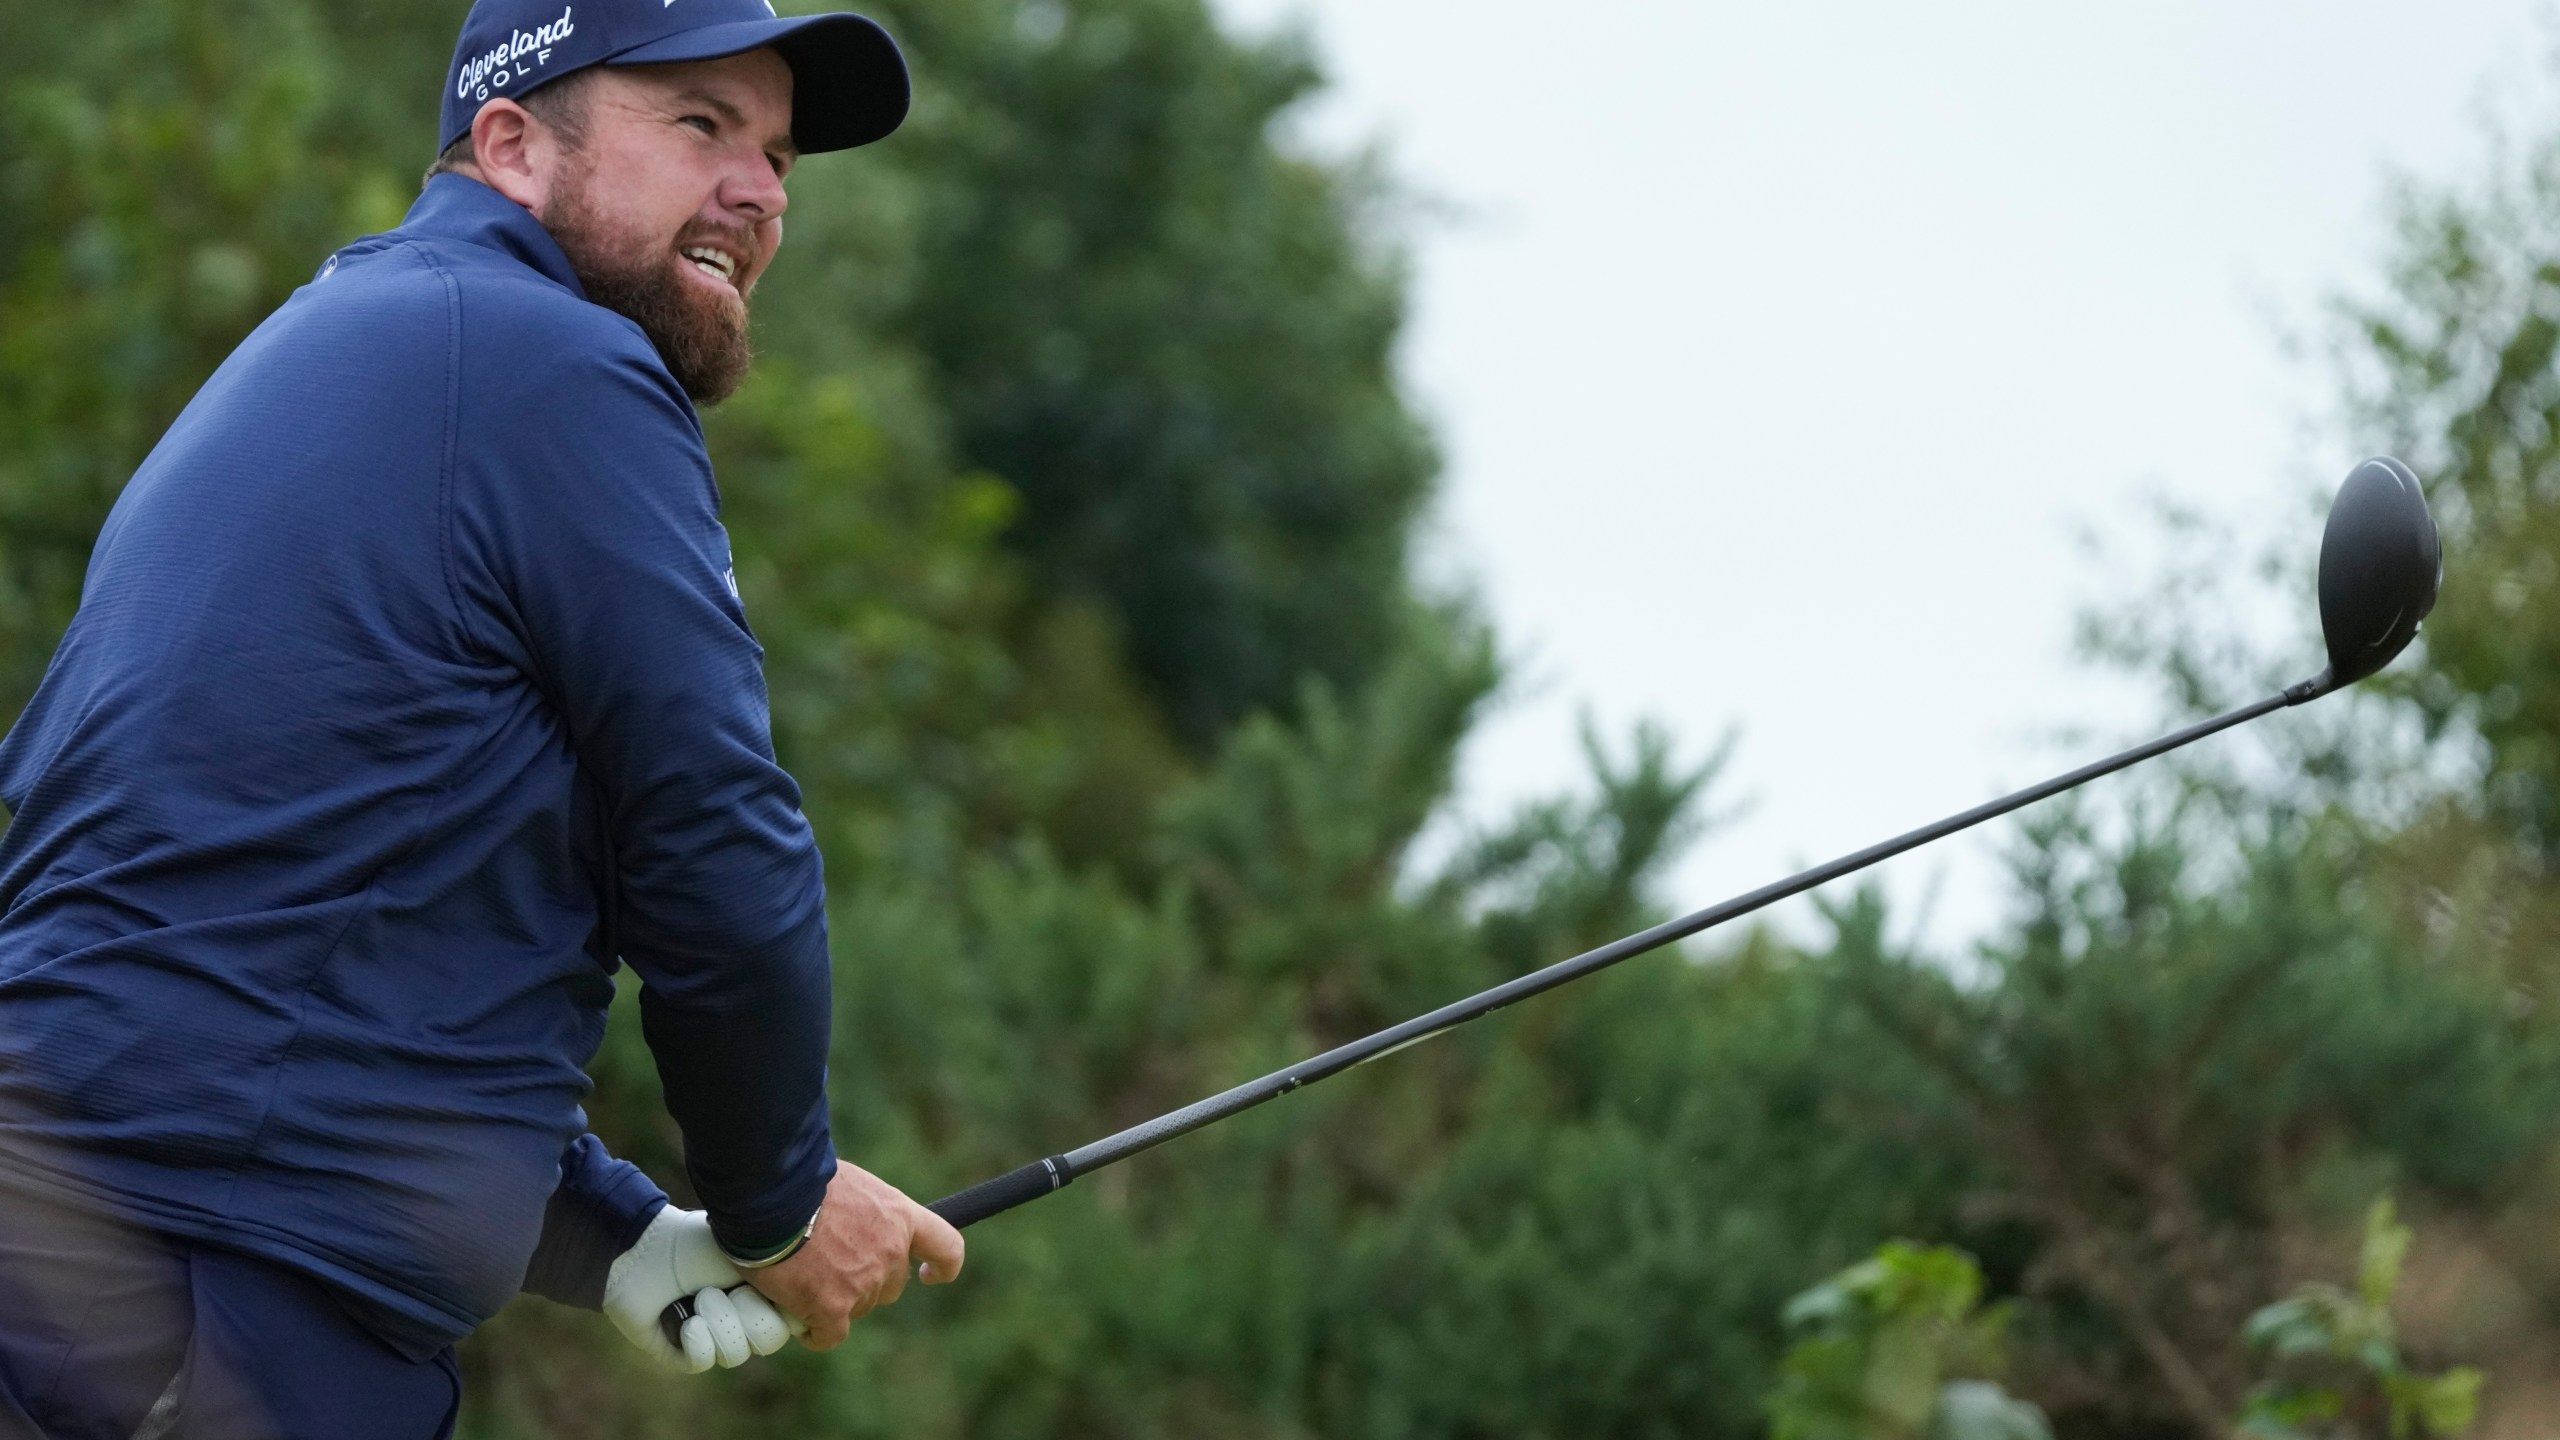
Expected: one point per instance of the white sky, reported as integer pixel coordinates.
(1780, 351)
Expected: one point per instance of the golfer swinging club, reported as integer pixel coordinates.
(409, 695)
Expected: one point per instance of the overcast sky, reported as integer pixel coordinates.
(1780, 351)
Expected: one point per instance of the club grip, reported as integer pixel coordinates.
(967, 1208)
(994, 1197)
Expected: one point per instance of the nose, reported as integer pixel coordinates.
(753, 193)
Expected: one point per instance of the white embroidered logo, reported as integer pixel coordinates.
(503, 65)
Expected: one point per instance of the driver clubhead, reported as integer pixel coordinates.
(2380, 563)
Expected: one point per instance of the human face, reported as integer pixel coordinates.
(670, 207)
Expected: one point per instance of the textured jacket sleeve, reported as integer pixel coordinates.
(598, 1212)
(588, 552)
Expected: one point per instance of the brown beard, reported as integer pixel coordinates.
(703, 342)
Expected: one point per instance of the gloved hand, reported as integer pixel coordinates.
(676, 1259)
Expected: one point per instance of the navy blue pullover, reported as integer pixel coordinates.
(408, 689)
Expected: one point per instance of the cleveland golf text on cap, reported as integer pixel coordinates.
(849, 83)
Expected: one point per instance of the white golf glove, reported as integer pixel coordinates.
(676, 1259)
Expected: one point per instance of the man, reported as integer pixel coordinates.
(409, 693)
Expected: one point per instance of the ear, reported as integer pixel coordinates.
(515, 153)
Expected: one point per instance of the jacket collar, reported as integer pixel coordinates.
(457, 207)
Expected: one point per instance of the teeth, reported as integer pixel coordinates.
(713, 262)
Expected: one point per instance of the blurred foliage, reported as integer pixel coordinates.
(2454, 366)
(1899, 1347)
(2168, 1074)
(2340, 1371)
(175, 158)
(1072, 502)
(1234, 485)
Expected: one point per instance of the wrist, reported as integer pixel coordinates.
(776, 1254)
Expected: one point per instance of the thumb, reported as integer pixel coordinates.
(696, 1261)
(933, 1240)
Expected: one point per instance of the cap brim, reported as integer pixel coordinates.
(848, 81)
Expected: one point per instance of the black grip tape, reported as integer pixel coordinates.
(994, 1197)
(671, 1322)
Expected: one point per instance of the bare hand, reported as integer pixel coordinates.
(868, 1233)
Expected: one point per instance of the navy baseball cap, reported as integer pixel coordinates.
(848, 82)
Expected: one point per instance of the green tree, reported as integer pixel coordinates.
(178, 155)
(2168, 1070)
(1172, 337)
(2453, 364)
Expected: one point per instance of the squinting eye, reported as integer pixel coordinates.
(703, 121)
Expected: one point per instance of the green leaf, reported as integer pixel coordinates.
(2386, 1248)
(2296, 1326)
(1980, 1410)
(2436, 1407)
(1824, 1306)
(1903, 1373)
(2286, 1412)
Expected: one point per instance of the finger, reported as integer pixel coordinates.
(892, 1285)
(701, 1352)
(728, 1332)
(766, 1329)
(937, 1244)
(826, 1333)
(666, 1350)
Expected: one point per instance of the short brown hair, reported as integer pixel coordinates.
(562, 105)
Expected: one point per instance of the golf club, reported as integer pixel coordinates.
(2380, 564)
